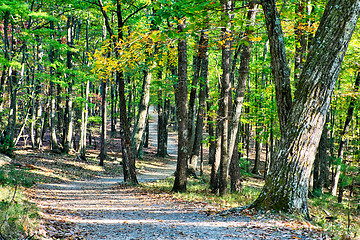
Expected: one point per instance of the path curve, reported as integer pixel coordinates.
(103, 209)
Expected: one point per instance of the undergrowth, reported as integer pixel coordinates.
(17, 215)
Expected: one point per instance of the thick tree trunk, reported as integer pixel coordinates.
(182, 114)
(286, 187)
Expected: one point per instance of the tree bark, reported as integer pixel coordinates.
(204, 63)
(182, 113)
(286, 187)
(279, 65)
(103, 145)
(54, 142)
(139, 129)
(69, 112)
(243, 76)
(85, 108)
(300, 38)
(225, 96)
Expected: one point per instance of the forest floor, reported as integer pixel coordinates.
(80, 200)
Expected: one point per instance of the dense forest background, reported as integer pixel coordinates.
(70, 68)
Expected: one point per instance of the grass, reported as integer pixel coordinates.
(198, 191)
(18, 217)
(338, 219)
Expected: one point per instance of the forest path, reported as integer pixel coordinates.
(103, 208)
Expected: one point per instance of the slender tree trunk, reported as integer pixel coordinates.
(300, 37)
(193, 91)
(54, 142)
(204, 63)
(129, 157)
(69, 112)
(243, 76)
(321, 162)
(138, 133)
(84, 121)
(182, 113)
(235, 175)
(214, 177)
(226, 98)
(343, 139)
(211, 128)
(279, 64)
(103, 145)
(85, 108)
(10, 128)
(4, 74)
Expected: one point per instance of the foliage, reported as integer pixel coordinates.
(6, 146)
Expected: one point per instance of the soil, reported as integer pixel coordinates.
(106, 208)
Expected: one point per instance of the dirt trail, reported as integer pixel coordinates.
(103, 209)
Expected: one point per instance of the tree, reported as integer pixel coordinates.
(180, 89)
(286, 187)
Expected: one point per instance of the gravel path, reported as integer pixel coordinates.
(104, 209)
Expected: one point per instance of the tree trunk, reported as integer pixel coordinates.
(10, 128)
(279, 65)
(286, 187)
(243, 76)
(103, 145)
(129, 157)
(162, 128)
(214, 179)
(343, 139)
(204, 63)
(300, 38)
(182, 114)
(54, 142)
(225, 97)
(139, 128)
(85, 108)
(235, 175)
(193, 91)
(69, 112)
(321, 172)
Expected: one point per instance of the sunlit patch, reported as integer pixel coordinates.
(94, 168)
